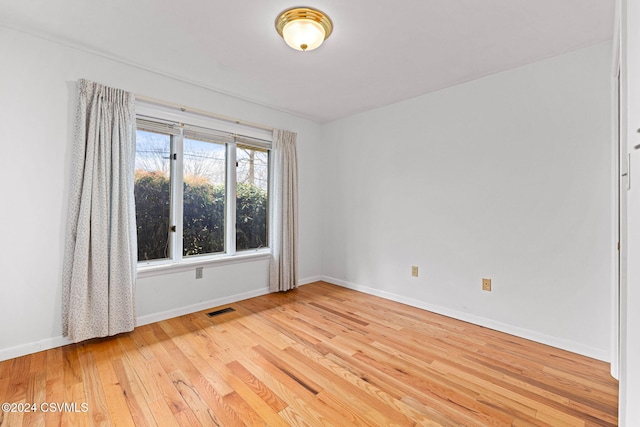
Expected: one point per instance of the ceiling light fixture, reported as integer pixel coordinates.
(304, 28)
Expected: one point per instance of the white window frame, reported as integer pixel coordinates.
(177, 262)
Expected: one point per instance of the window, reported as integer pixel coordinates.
(153, 194)
(252, 182)
(203, 197)
(201, 193)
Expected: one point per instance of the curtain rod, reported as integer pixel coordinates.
(200, 112)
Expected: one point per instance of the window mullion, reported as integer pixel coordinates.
(177, 191)
(230, 193)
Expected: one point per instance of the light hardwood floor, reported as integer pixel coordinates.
(319, 355)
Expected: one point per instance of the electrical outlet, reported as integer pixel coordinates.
(414, 270)
(198, 272)
(486, 285)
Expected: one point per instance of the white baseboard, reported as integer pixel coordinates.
(33, 347)
(552, 341)
(574, 347)
(310, 279)
(181, 311)
(59, 341)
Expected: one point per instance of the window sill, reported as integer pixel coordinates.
(160, 268)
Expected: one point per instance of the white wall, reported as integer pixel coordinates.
(629, 414)
(37, 107)
(508, 177)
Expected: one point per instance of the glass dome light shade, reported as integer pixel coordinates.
(303, 34)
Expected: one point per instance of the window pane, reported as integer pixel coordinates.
(153, 194)
(251, 197)
(204, 186)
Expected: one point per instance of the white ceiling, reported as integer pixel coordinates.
(379, 53)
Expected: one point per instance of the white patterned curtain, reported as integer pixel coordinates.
(283, 269)
(101, 248)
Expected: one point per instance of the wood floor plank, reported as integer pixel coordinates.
(320, 355)
(106, 352)
(326, 390)
(18, 380)
(375, 397)
(365, 399)
(55, 384)
(5, 369)
(160, 366)
(37, 389)
(146, 382)
(95, 398)
(135, 398)
(12, 419)
(165, 389)
(300, 401)
(206, 412)
(74, 388)
(201, 367)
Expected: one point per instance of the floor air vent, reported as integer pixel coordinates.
(219, 312)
